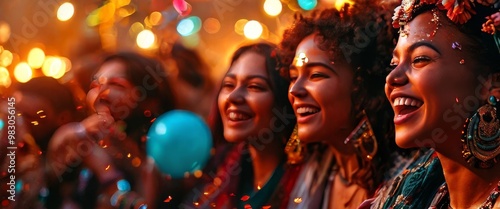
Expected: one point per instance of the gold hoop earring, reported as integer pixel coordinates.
(294, 149)
(364, 139)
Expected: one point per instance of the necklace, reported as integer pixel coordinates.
(488, 203)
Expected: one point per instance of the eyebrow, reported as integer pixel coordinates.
(423, 43)
(250, 77)
(314, 64)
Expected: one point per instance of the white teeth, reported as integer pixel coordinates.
(237, 116)
(302, 110)
(407, 102)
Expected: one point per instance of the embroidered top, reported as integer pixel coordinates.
(230, 186)
(415, 187)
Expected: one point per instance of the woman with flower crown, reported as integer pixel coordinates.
(444, 66)
(337, 63)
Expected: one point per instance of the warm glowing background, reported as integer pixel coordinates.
(56, 37)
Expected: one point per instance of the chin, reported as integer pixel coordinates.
(308, 136)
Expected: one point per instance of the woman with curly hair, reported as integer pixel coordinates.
(445, 70)
(337, 66)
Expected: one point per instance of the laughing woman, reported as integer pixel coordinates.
(337, 69)
(253, 117)
(444, 69)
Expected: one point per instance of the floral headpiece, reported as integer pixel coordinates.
(458, 11)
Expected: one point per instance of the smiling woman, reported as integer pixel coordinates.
(443, 70)
(250, 105)
(336, 61)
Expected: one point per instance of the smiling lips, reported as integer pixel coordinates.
(404, 107)
(237, 116)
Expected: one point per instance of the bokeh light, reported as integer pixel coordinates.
(211, 25)
(189, 26)
(54, 67)
(273, 7)
(67, 64)
(126, 11)
(36, 56)
(4, 77)
(253, 29)
(307, 4)
(239, 25)
(23, 72)
(6, 58)
(155, 18)
(145, 39)
(135, 29)
(340, 3)
(4, 32)
(65, 11)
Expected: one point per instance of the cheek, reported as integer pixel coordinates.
(221, 100)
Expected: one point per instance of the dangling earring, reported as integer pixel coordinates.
(364, 139)
(294, 149)
(481, 136)
(366, 146)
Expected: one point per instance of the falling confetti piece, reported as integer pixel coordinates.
(462, 61)
(107, 167)
(169, 198)
(266, 207)
(456, 45)
(297, 200)
(245, 198)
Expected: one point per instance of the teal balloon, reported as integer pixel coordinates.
(179, 141)
(307, 4)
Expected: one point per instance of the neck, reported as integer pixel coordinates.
(468, 187)
(265, 160)
(347, 163)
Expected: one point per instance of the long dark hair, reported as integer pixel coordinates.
(279, 87)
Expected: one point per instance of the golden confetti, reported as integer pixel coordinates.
(213, 205)
(128, 155)
(196, 203)
(35, 123)
(258, 187)
(107, 167)
(297, 200)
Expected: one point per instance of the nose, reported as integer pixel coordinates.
(397, 77)
(237, 96)
(297, 89)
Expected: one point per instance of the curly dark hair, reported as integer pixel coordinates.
(361, 36)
